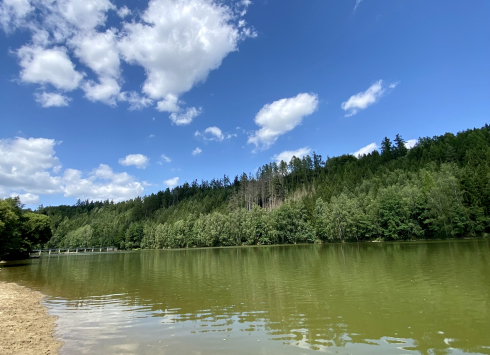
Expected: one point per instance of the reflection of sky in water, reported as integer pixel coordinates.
(371, 298)
(104, 325)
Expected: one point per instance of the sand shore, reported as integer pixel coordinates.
(25, 325)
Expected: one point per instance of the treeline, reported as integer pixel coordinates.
(438, 189)
(21, 230)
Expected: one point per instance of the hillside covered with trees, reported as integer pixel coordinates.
(438, 189)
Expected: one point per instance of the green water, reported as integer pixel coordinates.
(369, 298)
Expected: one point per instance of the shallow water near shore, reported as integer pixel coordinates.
(367, 298)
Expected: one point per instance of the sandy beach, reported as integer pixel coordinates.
(26, 326)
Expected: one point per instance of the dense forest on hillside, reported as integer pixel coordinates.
(438, 189)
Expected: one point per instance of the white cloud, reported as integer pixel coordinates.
(123, 12)
(280, 117)
(171, 183)
(136, 102)
(366, 150)
(197, 151)
(287, 155)
(28, 165)
(51, 99)
(101, 184)
(411, 143)
(177, 43)
(98, 51)
(106, 90)
(393, 85)
(167, 159)
(213, 134)
(366, 98)
(151, 136)
(357, 4)
(13, 12)
(186, 117)
(48, 66)
(66, 17)
(28, 198)
(169, 104)
(29, 168)
(139, 160)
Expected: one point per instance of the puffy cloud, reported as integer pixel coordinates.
(28, 198)
(186, 117)
(101, 184)
(66, 17)
(214, 134)
(287, 155)
(171, 183)
(169, 104)
(29, 168)
(197, 151)
(139, 160)
(366, 150)
(136, 102)
(123, 12)
(13, 12)
(179, 43)
(48, 66)
(411, 143)
(98, 51)
(28, 165)
(51, 99)
(280, 117)
(106, 90)
(366, 98)
(166, 159)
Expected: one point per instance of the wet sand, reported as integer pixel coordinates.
(25, 326)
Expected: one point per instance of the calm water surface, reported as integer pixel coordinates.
(370, 298)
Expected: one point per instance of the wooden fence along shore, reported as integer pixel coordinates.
(38, 252)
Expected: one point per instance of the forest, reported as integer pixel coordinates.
(440, 188)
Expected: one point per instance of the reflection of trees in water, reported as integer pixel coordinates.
(319, 295)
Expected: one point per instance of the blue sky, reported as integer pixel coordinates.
(110, 100)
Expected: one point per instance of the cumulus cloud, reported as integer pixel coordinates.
(366, 150)
(13, 13)
(29, 165)
(280, 117)
(48, 66)
(411, 143)
(139, 160)
(177, 43)
(135, 100)
(27, 199)
(166, 159)
(186, 117)
(123, 12)
(51, 99)
(171, 183)
(188, 38)
(214, 134)
(366, 98)
(287, 155)
(101, 184)
(29, 168)
(197, 151)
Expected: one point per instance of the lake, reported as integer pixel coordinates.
(367, 298)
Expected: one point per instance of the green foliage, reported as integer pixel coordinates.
(20, 231)
(438, 189)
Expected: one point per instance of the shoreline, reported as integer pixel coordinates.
(26, 327)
